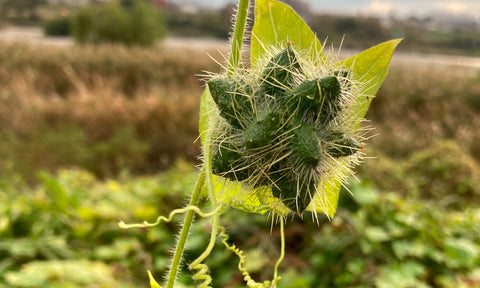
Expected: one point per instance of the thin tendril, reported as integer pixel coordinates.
(202, 274)
(276, 278)
(172, 214)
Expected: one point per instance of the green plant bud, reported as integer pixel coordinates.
(330, 88)
(305, 143)
(262, 132)
(295, 195)
(231, 99)
(226, 158)
(278, 76)
(341, 145)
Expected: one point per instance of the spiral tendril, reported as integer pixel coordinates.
(172, 214)
(201, 275)
(202, 269)
(242, 261)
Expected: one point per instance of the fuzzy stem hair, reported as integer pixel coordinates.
(239, 31)
(177, 257)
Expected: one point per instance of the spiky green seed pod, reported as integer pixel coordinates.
(305, 99)
(279, 74)
(294, 193)
(232, 99)
(330, 88)
(341, 145)
(286, 128)
(305, 144)
(344, 77)
(260, 133)
(227, 162)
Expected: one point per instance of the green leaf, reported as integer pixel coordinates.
(371, 67)
(54, 190)
(461, 253)
(63, 273)
(153, 282)
(376, 234)
(401, 275)
(277, 23)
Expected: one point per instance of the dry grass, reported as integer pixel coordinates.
(106, 108)
(130, 108)
(57, 70)
(418, 106)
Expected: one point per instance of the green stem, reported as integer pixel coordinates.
(206, 173)
(211, 243)
(237, 39)
(276, 278)
(184, 233)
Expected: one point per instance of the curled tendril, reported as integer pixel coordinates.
(241, 263)
(202, 269)
(172, 214)
(242, 260)
(201, 275)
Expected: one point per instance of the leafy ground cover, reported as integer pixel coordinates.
(379, 238)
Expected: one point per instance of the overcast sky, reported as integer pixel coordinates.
(470, 8)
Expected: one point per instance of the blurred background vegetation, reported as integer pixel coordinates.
(104, 131)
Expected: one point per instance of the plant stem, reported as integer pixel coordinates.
(276, 278)
(206, 173)
(211, 243)
(184, 233)
(237, 39)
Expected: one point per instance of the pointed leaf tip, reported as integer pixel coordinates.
(153, 282)
(371, 66)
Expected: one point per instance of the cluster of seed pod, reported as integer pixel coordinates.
(282, 129)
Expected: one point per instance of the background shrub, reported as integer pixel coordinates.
(138, 23)
(58, 26)
(111, 23)
(82, 23)
(146, 24)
